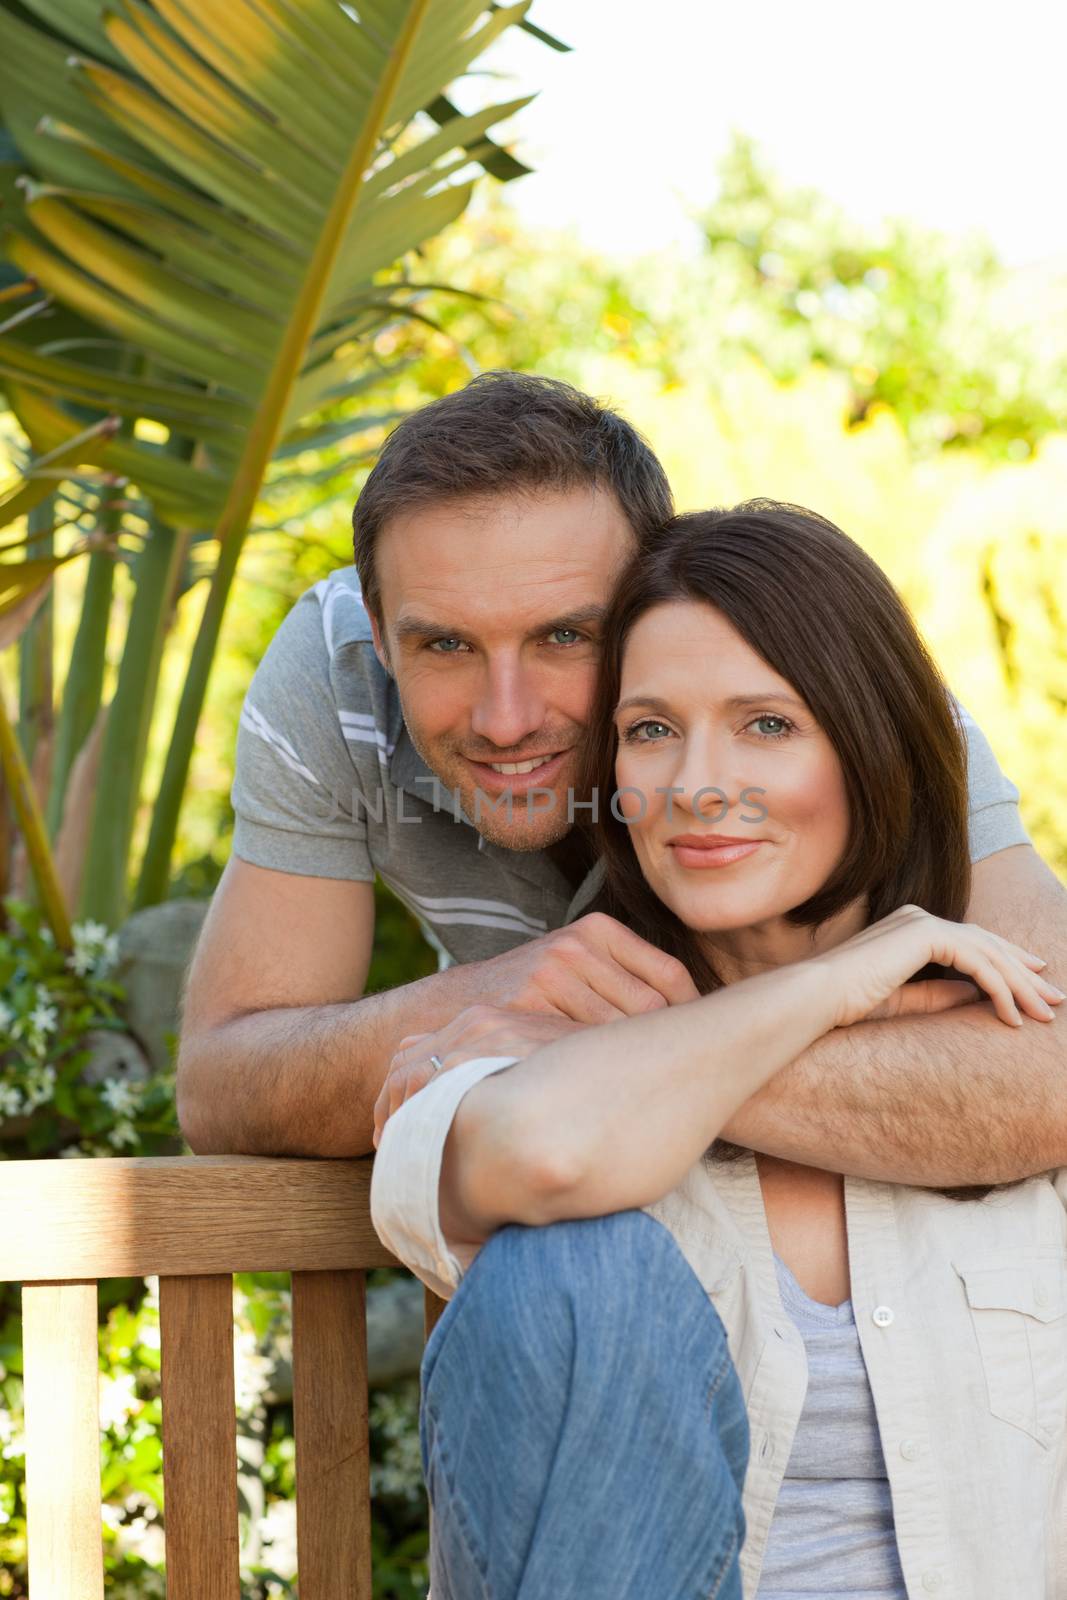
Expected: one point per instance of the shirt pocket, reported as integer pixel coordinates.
(1018, 1307)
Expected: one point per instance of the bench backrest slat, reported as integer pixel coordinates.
(194, 1221)
(199, 1438)
(330, 1421)
(61, 1376)
(137, 1216)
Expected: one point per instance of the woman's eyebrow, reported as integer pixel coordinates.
(736, 702)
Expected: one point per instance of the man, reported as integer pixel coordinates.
(418, 717)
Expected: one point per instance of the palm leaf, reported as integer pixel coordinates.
(223, 186)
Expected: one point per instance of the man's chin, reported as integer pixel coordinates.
(523, 831)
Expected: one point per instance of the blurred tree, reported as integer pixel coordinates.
(914, 319)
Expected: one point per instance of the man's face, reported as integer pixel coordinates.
(492, 611)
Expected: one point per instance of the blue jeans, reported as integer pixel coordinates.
(582, 1427)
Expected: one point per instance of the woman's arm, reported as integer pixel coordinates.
(614, 1116)
(935, 1100)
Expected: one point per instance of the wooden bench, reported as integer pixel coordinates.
(194, 1221)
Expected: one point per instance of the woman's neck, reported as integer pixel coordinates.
(738, 953)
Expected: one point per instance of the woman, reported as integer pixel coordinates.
(789, 816)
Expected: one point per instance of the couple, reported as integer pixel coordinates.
(684, 1309)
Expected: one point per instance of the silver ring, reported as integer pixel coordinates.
(436, 1063)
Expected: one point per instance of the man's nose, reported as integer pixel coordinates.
(510, 708)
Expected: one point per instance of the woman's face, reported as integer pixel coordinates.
(700, 710)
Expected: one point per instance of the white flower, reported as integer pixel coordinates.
(44, 994)
(45, 1019)
(10, 1100)
(118, 1399)
(40, 1086)
(121, 1134)
(251, 1370)
(119, 1097)
(95, 950)
(72, 1150)
(7, 1016)
(14, 1446)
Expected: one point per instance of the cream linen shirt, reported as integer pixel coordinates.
(961, 1309)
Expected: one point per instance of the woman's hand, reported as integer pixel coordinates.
(869, 970)
(481, 1030)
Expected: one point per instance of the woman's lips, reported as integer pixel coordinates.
(713, 853)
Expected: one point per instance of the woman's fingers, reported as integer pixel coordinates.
(1031, 992)
(1012, 986)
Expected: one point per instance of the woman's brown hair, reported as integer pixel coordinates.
(822, 613)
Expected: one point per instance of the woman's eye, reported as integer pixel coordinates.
(654, 730)
(778, 732)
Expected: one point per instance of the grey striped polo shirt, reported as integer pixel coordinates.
(329, 785)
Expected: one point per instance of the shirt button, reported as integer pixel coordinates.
(931, 1580)
(910, 1449)
(882, 1316)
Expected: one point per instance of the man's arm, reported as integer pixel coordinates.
(949, 1099)
(281, 1054)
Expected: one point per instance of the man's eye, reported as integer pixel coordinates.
(446, 647)
(573, 635)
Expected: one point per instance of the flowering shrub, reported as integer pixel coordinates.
(56, 1099)
(60, 1018)
(56, 1007)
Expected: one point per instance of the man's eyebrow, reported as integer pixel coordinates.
(413, 628)
(417, 628)
(572, 619)
(736, 702)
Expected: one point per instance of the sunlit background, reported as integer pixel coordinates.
(815, 251)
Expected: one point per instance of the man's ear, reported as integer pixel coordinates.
(379, 643)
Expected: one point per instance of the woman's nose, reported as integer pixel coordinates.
(709, 778)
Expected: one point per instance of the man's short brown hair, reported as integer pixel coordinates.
(506, 431)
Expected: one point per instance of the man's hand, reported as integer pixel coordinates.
(477, 1031)
(593, 970)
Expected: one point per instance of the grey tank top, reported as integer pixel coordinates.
(832, 1531)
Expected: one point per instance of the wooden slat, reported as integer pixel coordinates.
(183, 1215)
(62, 1399)
(432, 1312)
(433, 1308)
(332, 1438)
(199, 1437)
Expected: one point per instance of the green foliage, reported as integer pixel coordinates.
(52, 1005)
(918, 322)
(908, 315)
(215, 207)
